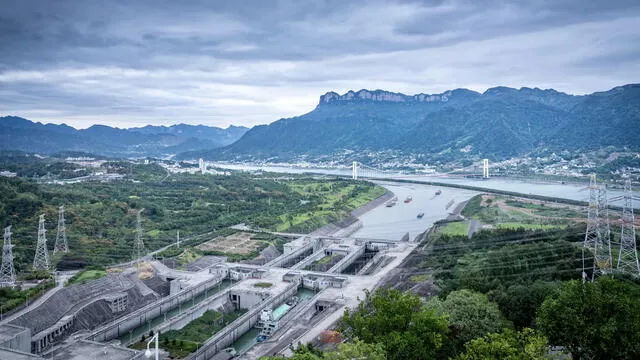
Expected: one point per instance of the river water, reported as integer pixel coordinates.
(552, 189)
(394, 222)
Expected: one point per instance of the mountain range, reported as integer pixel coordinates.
(499, 123)
(21, 134)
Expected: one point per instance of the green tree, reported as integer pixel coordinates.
(599, 320)
(399, 322)
(357, 350)
(508, 345)
(471, 315)
(519, 303)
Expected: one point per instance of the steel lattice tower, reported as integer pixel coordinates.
(628, 256)
(61, 237)
(41, 260)
(7, 271)
(602, 255)
(138, 245)
(591, 235)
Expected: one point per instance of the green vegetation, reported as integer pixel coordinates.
(420, 278)
(507, 345)
(12, 298)
(399, 322)
(346, 351)
(263, 285)
(598, 320)
(326, 259)
(180, 343)
(101, 221)
(516, 225)
(92, 273)
(454, 228)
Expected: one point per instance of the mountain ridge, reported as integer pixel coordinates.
(499, 123)
(25, 135)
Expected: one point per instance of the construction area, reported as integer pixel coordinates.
(238, 243)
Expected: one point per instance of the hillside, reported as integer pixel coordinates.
(499, 123)
(24, 135)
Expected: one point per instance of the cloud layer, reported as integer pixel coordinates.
(126, 63)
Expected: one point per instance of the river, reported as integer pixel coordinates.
(551, 189)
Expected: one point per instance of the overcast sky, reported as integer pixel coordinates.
(219, 62)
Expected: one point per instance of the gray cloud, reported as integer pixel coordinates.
(129, 63)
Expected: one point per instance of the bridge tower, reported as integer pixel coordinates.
(7, 271)
(61, 238)
(628, 256)
(354, 170)
(485, 168)
(138, 244)
(41, 260)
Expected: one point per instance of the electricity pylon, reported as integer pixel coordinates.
(61, 237)
(7, 271)
(628, 256)
(602, 255)
(41, 260)
(591, 235)
(138, 245)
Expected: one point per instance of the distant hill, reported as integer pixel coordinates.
(500, 123)
(21, 134)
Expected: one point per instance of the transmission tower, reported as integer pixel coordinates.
(628, 256)
(591, 235)
(138, 245)
(7, 272)
(61, 237)
(41, 260)
(602, 255)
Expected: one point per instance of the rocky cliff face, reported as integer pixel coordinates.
(381, 96)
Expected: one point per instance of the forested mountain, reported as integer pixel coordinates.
(497, 124)
(21, 134)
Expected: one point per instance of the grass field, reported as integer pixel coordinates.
(517, 225)
(335, 202)
(86, 275)
(455, 228)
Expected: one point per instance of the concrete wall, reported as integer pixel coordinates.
(243, 299)
(308, 260)
(10, 354)
(233, 331)
(20, 341)
(142, 316)
(347, 260)
(180, 321)
(291, 256)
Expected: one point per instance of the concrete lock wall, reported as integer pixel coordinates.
(180, 321)
(233, 331)
(290, 256)
(141, 316)
(347, 260)
(308, 260)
